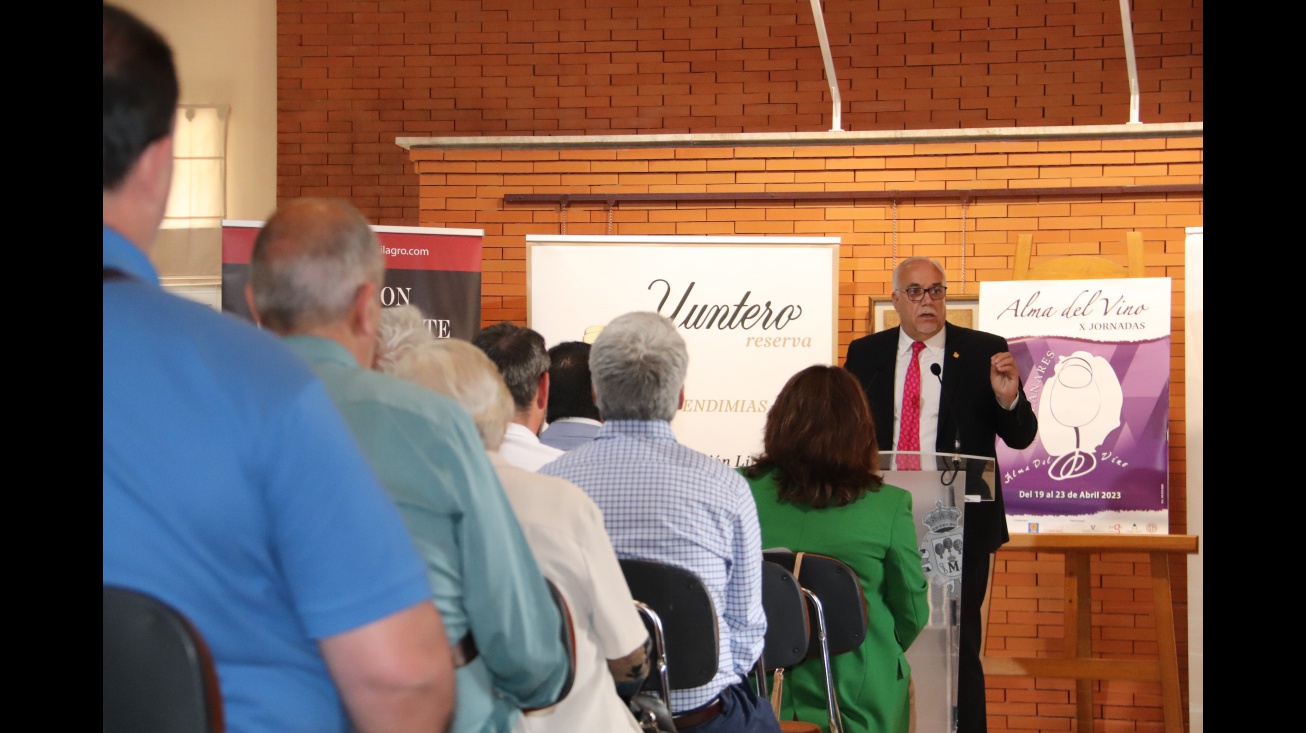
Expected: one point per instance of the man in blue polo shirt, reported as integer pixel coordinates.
(232, 488)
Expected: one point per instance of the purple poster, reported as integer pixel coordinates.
(1095, 359)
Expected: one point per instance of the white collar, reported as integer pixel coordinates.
(933, 344)
(521, 432)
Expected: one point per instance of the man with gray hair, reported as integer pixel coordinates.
(233, 490)
(519, 354)
(565, 529)
(665, 502)
(315, 274)
(974, 398)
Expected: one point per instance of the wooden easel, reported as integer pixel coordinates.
(1077, 267)
(1077, 662)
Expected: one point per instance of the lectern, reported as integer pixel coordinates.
(939, 494)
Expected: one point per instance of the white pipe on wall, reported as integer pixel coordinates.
(819, 18)
(1132, 67)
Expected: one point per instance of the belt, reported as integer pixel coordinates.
(698, 716)
(464, 651)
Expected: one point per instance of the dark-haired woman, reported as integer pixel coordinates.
(818, 490)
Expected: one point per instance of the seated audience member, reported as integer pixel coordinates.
(665, 502)
(572, 417)
(401, 327)
(315, 274)
(233, 491)
(520, 356)
(565, 530)
(818, 490)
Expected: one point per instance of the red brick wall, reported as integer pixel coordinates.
(354, 75)
(466, 187)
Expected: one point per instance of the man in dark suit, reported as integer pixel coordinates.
(974, 398)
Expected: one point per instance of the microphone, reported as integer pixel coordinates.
(937, 371)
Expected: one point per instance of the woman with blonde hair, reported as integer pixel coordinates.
(565, 531)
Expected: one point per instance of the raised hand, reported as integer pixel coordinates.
(1004, 377)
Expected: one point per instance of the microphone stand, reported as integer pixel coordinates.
(947, 477)
(949, 474)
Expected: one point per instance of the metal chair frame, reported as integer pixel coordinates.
(852, 621)
(831, 699)
(653, 621)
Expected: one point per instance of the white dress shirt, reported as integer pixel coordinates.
(523, 449)
(931, 387)
(565, 530)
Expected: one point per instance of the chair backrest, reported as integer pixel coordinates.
(158, 674)
(788, 628)
(840, 593)
(1078, 267)
(836, 601)
(787, 624)
(568, 631)
(687, 616)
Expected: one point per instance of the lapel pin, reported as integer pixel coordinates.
(955, 355)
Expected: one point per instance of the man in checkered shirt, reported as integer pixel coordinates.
(665, 502)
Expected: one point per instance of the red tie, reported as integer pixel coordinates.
(909, 431)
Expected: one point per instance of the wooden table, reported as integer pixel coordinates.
(1077, 662)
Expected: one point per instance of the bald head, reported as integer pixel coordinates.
(310, 260)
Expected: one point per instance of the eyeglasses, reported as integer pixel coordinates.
(916, 293)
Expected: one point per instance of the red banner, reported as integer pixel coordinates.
(438, 270)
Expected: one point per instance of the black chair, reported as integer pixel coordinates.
(158, 674)
(568, 631)
(836, 601)
(788, 631)
(681, 620)
(787, 624)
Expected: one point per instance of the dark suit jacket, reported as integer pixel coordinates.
(967, 408)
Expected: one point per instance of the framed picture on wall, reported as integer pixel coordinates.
(963, 310)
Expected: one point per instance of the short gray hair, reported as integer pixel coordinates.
(903, 265)
(457, 369)
(638, 364)
(401, 328)
(309, 260)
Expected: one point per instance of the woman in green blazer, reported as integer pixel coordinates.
(818, 490)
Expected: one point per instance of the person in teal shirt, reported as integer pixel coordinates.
(233, 491)
(315, 273)
(817, 491)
